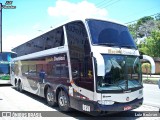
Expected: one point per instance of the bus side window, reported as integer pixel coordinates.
(32, 70)
(25, 69)
(56, 70)
(54, 38)
(64, 71)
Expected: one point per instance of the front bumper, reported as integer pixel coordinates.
(117, 107)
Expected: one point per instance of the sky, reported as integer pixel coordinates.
(34, 17)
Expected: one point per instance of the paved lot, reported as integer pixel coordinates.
(151, 94)
(12, 100)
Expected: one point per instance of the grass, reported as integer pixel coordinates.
(150, 80)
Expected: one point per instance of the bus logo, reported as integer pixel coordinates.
(60, 58)
(127, 99)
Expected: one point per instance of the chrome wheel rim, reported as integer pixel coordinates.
(62, 101)
(49, 96)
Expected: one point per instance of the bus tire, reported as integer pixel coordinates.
(20, 87)
(63, 101)
(50, 98)
(17, 86)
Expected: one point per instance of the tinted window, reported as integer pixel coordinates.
(79, 49)
(6, 56)
(60, 70)
(51, 39)
(111, 34)
(39, 67)
(53, 66)
(32, 70)
(25, 69)
(4, 69)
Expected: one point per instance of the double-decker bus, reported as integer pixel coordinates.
(90, 65)
(5, 58)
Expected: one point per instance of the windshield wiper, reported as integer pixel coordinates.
(128, 46)
(134, 84)
(116, 85)
(122, 82)
(108, 44)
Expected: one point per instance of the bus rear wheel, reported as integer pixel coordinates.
(16, 84)
(20, 87)
(50, 98)
(63, 101)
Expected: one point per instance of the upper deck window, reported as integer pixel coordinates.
(51, 39)
(110, 34)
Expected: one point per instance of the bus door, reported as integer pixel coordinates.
(86, 76)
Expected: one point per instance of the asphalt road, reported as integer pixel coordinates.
(151, 95)
(12, 100)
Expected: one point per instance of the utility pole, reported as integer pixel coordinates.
(0, 27)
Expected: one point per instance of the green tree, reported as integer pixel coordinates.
(157, 17)
(144, 20)
(151, 45)
(132, 29)
(147, 67)
(148, 28)
(143, 27)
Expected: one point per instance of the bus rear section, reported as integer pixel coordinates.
(90, 65)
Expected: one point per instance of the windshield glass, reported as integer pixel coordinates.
(121, 73)
(4, 68)
(110, 34)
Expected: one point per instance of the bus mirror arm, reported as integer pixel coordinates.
(150, 59)
(141, 57)
(91, 54)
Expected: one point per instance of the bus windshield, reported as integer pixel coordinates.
(110, 34)
(4, 69)
(121, 73)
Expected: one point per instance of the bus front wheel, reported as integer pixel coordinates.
(63, 101)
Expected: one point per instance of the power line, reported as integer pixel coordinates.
(97, 4)
(102, 6)
(103, 3)
(110, 4)
(139, 18)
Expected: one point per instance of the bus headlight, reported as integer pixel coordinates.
(105, 102)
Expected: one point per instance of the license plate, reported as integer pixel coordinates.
(127, 108)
